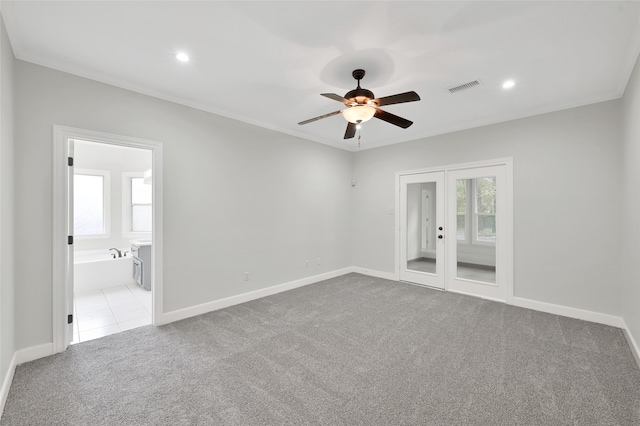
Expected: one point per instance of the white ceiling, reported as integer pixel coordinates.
(267, 62)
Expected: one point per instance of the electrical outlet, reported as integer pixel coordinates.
(306, 263)
(246, 276)
(318, 261)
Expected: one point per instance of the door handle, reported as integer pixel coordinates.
(440, 236)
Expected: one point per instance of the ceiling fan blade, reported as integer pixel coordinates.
(319, 118)
(393, 119)
(398, 99)
(351, 131)
(335, 97)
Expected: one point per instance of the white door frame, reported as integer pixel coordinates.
(508, 219)
(62, 290)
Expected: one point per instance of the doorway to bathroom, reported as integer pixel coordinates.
(112, 229)
(107, 234)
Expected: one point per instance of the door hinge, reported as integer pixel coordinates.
(70, 239)
(70, 161)
(69, 318)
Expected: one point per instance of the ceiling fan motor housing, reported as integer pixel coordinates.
(360, 96)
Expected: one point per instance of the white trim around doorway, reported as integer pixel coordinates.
(508, 163)
(61, 288)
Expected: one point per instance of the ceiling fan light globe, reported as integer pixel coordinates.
(359, 113)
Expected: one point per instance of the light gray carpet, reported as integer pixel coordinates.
(354, 350)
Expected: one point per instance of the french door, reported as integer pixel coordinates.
(455, 230)
(477, 256)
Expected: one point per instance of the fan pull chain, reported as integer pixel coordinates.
(359, 138)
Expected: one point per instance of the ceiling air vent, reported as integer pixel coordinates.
(465, 86)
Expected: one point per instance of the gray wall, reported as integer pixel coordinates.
(6, 201)
(567, 202)
(631, 208)
(236, 197)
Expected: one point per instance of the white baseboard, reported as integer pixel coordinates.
(203, 308)
(635, 350)
(20, 357)
(6, 383)
(373, 273)
(566, 311)
(33, 353)
(480, 297)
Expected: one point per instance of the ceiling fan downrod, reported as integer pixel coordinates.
(358, 75)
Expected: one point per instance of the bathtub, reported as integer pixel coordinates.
(96, 269)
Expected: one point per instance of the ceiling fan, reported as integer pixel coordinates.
(362, 105)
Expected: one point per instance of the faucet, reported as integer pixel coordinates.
(119, 252)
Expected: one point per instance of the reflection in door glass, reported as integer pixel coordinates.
(476, 233)
(421, 227)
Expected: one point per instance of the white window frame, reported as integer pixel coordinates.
(127, 206)
(106, 202)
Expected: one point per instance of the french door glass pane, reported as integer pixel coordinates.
(461, 209)
(461, 232)
(88, 205)
(486, 227)
(461, 194)
(421, 227)
(476, 254)
(486, 195)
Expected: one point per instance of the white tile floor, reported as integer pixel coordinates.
(110, 310)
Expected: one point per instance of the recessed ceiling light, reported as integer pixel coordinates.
(182, 57)
(508, 84)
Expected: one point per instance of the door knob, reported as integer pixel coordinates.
(440, 228)
(440, 236)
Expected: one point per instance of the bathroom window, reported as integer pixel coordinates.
(91, 195)
(136, 204)
(140, 205)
